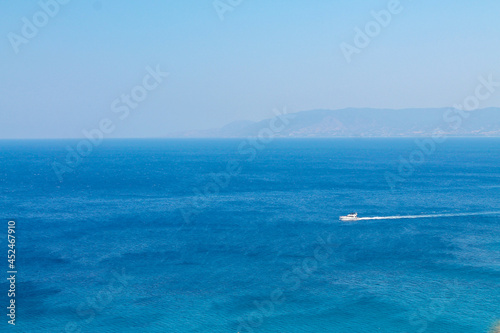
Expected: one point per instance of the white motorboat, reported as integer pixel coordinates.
(350, 217)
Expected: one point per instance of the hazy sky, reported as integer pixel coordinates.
(76, 67)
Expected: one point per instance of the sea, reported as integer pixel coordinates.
(243, 235)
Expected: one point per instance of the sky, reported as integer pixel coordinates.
(149, 68)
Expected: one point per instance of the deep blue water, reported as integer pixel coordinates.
(126, 242)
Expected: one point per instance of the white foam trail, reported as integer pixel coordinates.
(425, 216)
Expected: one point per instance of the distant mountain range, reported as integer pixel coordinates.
(362, 122)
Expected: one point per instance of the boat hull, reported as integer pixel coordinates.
(345, 218)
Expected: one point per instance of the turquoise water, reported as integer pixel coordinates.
(128, 242)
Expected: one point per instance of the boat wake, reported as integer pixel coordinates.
(424, 216)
